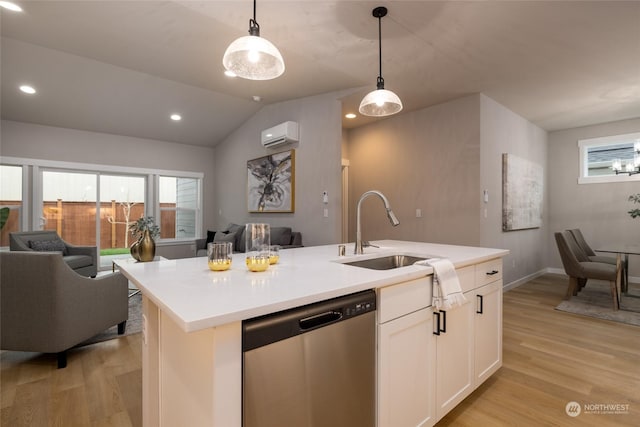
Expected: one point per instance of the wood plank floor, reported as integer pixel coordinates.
(550, 359)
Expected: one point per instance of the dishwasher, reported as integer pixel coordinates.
(311, 366)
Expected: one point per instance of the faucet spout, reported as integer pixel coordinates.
(392, 217)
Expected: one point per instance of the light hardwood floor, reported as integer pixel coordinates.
(550, 358)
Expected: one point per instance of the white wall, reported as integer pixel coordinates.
(427, 160)
(503, 131)
(317, 168)
(599, 210)
(70, 145)
(439, 160)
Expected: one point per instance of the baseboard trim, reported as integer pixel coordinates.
(551, 270)
(525, 279)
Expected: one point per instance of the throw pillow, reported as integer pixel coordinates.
(55, 245)
(225, 237)
(210, 236)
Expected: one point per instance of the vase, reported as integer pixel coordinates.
(147, 247)
(135, 250)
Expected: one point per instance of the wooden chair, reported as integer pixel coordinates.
(579, 268)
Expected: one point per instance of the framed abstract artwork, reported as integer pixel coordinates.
(271, 183)
(522, 190)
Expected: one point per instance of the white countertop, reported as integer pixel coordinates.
(197, 298)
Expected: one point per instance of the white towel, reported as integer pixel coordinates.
(447, 293)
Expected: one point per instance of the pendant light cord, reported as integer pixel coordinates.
(380, 82)
(254, 27)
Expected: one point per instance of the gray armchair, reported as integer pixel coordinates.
(46, 307)
(82, 259)
(579, 268)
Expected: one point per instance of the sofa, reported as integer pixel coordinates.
(82, 259)
(234, 233)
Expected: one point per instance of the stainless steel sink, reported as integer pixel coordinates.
(387, 262)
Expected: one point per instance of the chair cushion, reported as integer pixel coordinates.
(210, 236)
(599, 270)
(78, 261)
(54, 245)
(238, 244)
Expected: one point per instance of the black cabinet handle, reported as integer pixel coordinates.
(437, 331)
(492, 272)
(481, 309)
(444, 321)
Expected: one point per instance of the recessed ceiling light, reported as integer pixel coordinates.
(27, 89)
(11, 6)
(350, 116)
(257, 98)
(176, 117)
(230, 73)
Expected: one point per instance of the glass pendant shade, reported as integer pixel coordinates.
(253, 58)
(379, 103)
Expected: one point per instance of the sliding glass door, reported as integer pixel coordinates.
(72, 208)
(69, 205)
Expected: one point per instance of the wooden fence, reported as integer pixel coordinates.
(75, 222)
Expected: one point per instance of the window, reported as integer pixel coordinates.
(11, 197)
(179, 207)
(600, 157)
(94, 204)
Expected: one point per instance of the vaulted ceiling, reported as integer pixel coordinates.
(123, 67)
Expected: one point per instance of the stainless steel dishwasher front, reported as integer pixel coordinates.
(312, 366)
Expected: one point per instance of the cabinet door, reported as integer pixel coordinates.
(488, 334)
(406, 368)
(455, 356)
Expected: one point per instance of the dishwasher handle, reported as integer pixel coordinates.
(319, 320)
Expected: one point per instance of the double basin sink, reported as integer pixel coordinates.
(387, 262)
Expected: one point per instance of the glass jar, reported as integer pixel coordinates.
(257, 243)
(219, 255)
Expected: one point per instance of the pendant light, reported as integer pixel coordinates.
(380, 102)
(253, 57)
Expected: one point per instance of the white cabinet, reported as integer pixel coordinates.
(488, 331)
(488, 319)
(429, 361)
(454, 357)
(454, 354)
(406, 367)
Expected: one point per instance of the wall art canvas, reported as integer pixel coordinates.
(271, 183)
(522, 190)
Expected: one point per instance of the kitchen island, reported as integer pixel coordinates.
(192, 355)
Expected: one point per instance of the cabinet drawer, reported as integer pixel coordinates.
(406, 297)
(488, 272)
(467, 278)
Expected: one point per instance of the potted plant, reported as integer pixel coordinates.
(145, 230)
(635, 198)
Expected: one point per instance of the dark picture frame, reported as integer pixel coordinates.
(271, 183)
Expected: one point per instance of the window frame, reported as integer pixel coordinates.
(32, 187)
(585, 144)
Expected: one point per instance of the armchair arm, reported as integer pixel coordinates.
(91, 251)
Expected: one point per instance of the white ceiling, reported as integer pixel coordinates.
(122, 67)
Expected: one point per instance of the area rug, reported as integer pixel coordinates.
(134, 323)
(594, 300)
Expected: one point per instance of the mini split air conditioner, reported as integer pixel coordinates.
(282, 134)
